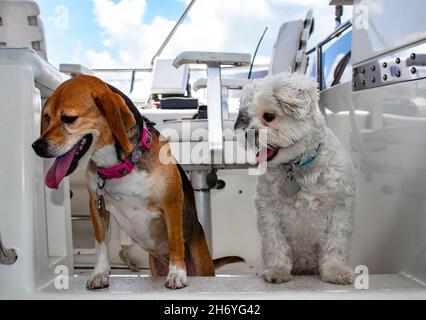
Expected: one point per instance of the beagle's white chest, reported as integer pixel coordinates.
(127, 199)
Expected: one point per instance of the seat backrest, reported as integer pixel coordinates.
(167, 80)
(21, 26)
(286, 48)
(288, 54)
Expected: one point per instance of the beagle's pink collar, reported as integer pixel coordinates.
(127, 166)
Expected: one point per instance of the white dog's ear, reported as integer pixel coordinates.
(311, 89)
(292, 102)
(299, 101)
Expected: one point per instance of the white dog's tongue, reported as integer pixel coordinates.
(264, 156)
(59, 169)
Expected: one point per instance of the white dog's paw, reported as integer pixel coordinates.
(177, 278)
(336, 272)
(277, 274)
(98, 281)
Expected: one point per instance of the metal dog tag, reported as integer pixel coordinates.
(291, 186)
(101, 205)
(100, 192)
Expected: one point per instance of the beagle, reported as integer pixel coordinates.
(87, 121)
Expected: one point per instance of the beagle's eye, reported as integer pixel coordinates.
(269, 117)
(46, 118)
(68, 119)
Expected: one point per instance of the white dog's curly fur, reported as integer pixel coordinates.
(310, 232)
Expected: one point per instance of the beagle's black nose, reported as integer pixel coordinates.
(40, 147)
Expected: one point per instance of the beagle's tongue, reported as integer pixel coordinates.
(264, 156)
(59, 169)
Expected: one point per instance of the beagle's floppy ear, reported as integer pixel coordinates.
(118, 116)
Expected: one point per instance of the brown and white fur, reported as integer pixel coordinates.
(154, 204)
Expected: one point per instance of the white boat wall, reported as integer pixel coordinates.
(378, 110)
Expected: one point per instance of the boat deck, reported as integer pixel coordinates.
(140, 286)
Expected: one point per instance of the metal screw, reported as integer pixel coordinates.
(362, 70)
(413, 70)
(373, 68)
(373, 80)
(385, 77)
(363, 82)
(398, 73)
(398, 60)
(413, 56)
(385, 64)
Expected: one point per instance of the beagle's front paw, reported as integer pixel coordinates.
(277, 274)
(98, 281)
(337, 272)
(176, 279)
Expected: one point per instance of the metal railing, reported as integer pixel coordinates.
(172, 33)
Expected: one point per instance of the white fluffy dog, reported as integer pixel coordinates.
(305, 199)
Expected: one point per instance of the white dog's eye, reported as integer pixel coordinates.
(269, 117)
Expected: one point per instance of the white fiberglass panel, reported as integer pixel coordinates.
(381, 26)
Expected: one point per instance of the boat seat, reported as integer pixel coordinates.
(22, 27)
(168, 80)
(288, 54)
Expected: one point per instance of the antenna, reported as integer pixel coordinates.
(171, 34)
(255, 53)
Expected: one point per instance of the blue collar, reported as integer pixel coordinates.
(305, 162)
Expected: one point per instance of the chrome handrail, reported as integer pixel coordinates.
(172, 33)
(7, 256)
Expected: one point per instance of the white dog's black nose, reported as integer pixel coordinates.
(243, 120)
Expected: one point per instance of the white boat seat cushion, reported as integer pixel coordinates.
(286, 47)
(166, 79)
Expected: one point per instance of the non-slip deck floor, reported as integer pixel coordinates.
(135, 284)
(120, 285)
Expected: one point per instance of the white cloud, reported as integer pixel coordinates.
(303, 3)
(101, 59)
(107, 43)
(126, 33)
(220, 25)
(126, 14)
(77, 53)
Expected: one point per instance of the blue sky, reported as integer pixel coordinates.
(83, 28)
(61, 43)
(126, 33)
